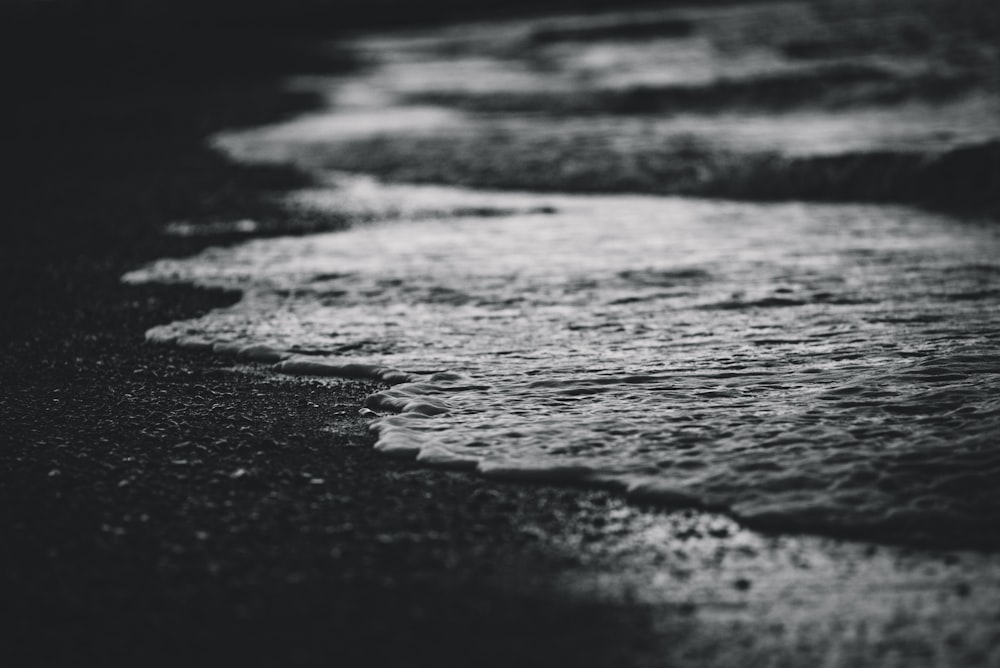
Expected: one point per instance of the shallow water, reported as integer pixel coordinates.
(802, 365)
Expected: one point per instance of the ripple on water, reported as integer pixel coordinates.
(801, 366)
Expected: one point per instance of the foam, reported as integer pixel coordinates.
(587, 347)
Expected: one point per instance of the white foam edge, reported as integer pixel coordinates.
(645, 489)
(312, 366)
(408, 401)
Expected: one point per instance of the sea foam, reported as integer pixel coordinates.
(800, 366)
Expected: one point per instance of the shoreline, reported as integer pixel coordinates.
(160, 506)
(270, 365)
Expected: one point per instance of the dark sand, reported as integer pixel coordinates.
(168, 507)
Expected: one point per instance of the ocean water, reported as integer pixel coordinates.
(800, 366)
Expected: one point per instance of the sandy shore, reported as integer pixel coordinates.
(161, 506)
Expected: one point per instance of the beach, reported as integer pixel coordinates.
(166, 504)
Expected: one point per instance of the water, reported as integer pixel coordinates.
(799, 366)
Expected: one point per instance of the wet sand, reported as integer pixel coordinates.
(163, 506)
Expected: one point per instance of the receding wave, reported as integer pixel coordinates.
(802, 367)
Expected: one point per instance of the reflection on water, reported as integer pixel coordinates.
(800, 365)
